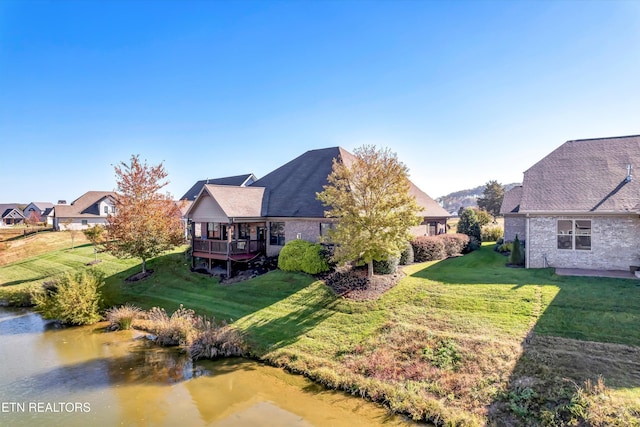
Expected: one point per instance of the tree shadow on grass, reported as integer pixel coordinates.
(583, 330)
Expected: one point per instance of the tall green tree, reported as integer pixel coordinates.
(370, 198)
(146, 222)
(469, 225)
(492, 197)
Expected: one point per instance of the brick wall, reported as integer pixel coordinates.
(514, 225)
(614, 244)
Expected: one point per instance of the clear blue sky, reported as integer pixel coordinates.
(463, 91)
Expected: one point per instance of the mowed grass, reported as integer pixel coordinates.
(461, 341)
(19, 248)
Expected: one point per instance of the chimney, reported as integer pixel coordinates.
(629, 176)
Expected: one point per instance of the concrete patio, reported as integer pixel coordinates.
(617, 274)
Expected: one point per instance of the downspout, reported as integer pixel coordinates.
(527, 245)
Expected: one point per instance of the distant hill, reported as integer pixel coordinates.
(465, 198)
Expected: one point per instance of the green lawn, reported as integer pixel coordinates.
(464, 340)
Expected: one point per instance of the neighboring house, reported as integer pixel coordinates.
(236, 223)
(92, 208)
(43, 209)
(579, 206)
(11, 214)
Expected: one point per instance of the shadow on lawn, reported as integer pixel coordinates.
(583, 329)
(172, 284)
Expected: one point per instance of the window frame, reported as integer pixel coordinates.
(579, 235)
(277, 238)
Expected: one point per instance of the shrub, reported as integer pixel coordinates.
(388, 266)
(73, 299)
(428, 248)
(516, 257)
(313, 260)
(492, 234)
(213, 341)
(406, 256)
(300, 255)
(454, 244)
(122, 318)
(175, 330)
(504, 247)
(473, 245)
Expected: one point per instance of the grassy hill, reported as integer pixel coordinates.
(461, 341)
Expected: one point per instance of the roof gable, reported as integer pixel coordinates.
(83, 205)
(238, 181)
(587, 175)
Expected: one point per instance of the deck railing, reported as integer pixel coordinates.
(235, 247)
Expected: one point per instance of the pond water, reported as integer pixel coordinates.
(84, 376)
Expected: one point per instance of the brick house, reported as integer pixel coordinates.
(235, 223)
(579, 207)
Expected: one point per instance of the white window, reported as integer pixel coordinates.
(574, 234)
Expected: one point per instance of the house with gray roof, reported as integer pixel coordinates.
(236, 223)
(88, 210)
(579, 207)
(44, 210)
(11, 214)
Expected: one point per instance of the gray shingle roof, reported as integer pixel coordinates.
(237, 202)
(584, 176)
(237, 181)
(84, 206)
(290, 190)
(511, 201)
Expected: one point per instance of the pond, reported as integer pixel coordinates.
(84, 376)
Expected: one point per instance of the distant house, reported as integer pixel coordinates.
(92, 208)
(44, 210)
(236, 223)
(11, 214)
(579, 206)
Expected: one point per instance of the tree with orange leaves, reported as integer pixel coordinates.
(146, 222)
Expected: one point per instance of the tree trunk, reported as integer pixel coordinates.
(370, 269)
(144, 266)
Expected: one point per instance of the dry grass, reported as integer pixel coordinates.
(213, 341)
(123, 317)
(38, 244)
(202, 338)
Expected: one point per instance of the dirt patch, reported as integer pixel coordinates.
(354, 284)
(139, 276)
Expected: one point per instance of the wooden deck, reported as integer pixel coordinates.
(237, 250)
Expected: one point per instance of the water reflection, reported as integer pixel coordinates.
(124, 379)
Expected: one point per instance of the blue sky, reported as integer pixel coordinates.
(463, 91)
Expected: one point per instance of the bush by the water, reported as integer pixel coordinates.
(177, 329)
(428, 248)
(73, 298)
(387, 266)
(123, 317)
(213, 341)
(201, 337)
(300, 255)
